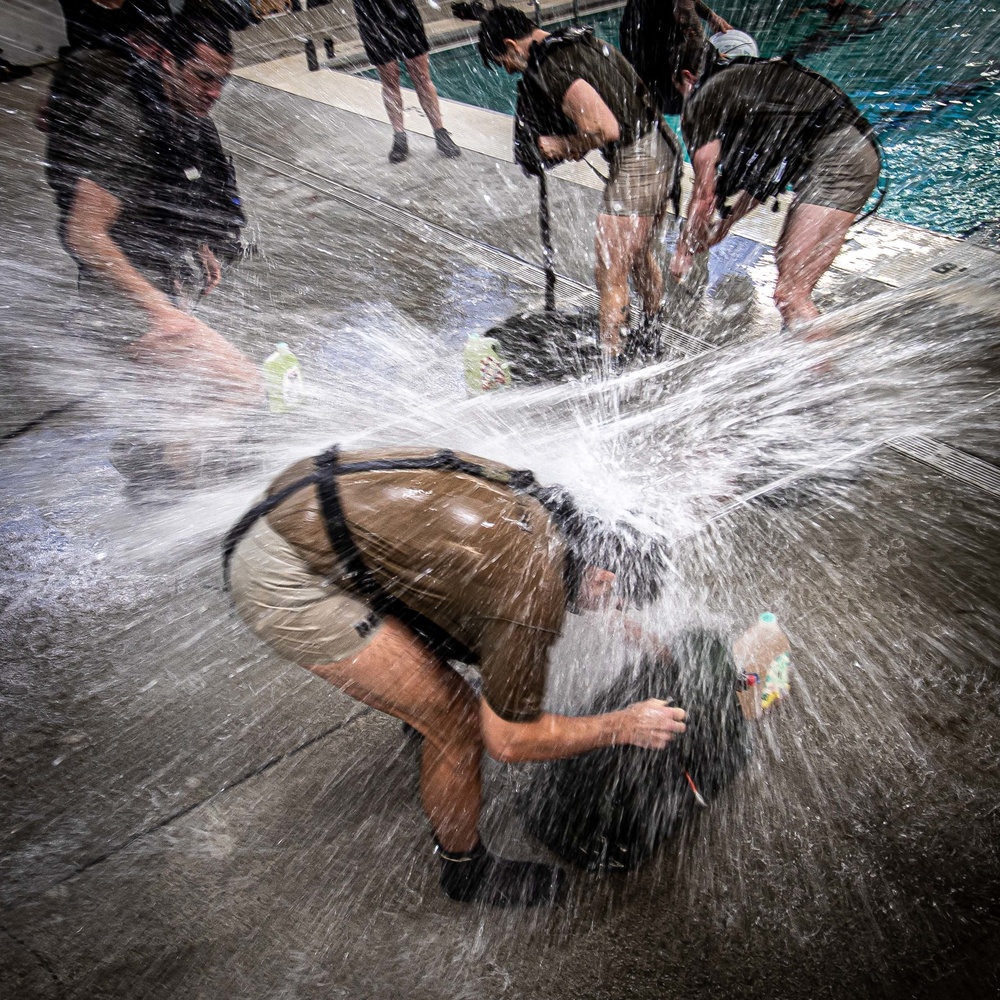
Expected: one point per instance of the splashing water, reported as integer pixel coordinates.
(865, 788)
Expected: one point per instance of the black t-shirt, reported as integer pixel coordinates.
(89, 25)
(560, 63)
(768, 115)
(168, 171)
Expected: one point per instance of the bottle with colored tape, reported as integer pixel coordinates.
(764, 650)
(485, 370)
(283, 379)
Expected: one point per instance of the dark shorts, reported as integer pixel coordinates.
(390, 30)
(843, 174)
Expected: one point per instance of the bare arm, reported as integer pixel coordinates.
(88, 235)
(698, 228)
(651, 724)
(174, 337)
(596, 125)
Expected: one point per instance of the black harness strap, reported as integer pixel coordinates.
(235, 534)
(328, 468)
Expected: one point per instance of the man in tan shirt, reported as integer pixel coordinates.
(373, 569)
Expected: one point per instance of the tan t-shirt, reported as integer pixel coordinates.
(482, 562)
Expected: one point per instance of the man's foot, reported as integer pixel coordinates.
(642, 345)
(445, 144)
(477, 876)
(400, 148)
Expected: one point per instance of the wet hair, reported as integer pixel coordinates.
(498, 24)
(693, 54)
(638, 561)
(187, 31)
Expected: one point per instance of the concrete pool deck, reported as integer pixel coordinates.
(186, 816)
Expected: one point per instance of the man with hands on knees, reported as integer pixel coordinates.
(376, 569)
(755, 128)
(152, 203)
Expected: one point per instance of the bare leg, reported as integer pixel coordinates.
(648, 280)
(396, 673)
(392, 97)
(622, 244)
(810, 240)
(420, 72)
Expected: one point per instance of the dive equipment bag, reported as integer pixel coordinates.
(610, 809)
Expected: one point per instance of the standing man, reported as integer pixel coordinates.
(374, 569)
(593, 96)
(149, 200)
(393, 32)
(755, 129)
(652, 34)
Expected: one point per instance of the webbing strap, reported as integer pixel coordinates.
(337, 531)
(361, 578)
(235, 534)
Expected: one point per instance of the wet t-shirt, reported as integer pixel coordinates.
(607, 71)
(483, 563)
(163, 214)
(761, 102)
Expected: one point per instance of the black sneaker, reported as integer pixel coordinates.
(477, 876)
(445, 144)
(400, 148)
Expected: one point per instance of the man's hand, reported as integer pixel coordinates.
(210, 267)
(554, 148)
(651, 724)
(717, 24)
(682, 260)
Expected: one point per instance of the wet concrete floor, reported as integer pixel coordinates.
(186, 816)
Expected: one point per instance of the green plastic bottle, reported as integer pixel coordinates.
(485, 371)
(283, 379)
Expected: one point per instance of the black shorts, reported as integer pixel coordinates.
(390, 30)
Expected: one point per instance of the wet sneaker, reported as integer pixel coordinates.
(400, 148)
(479, 877)
(445, 144)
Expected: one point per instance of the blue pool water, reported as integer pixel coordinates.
(926, 74)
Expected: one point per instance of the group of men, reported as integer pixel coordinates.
(377, 570)
(753, 128)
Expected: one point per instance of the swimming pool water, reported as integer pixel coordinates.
(925, 73)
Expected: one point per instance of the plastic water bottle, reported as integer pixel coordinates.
(765, 652)
(283, 379)
(484, 369)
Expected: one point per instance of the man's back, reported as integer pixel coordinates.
(483, 562)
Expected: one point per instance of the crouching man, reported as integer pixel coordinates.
(374, 569)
